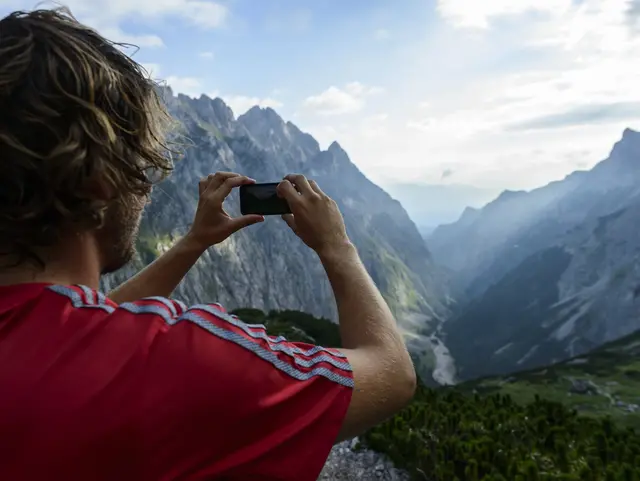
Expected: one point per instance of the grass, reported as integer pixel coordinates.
(613, 368)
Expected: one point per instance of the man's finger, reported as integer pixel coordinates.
(217, 179)
(245, 221)
(290, 220)
(287, 191)
(229, 184)
(213, 181)
(316, 188)
(301, 183)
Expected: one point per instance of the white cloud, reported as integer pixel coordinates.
(478, 14)
(115, 34)
(190, 86)
(558, 108)
(107, 16)
(339, 101)
(153, 69)
(207, 55)
(241, 103)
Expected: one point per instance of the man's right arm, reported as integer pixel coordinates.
(384, 376)
(383, 372)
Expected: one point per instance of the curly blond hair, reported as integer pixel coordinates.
(74, 110)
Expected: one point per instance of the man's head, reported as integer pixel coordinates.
(81, 135)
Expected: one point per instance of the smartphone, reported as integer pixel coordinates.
(262, 199)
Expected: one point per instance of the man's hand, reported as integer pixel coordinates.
(212, 224)
(315, 217)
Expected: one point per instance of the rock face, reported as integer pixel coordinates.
(349, 463)
(547, 274)
(266, 266)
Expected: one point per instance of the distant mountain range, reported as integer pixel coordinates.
(544, 275)
(266, 266)
(430, 205)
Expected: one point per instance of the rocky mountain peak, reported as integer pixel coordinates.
(627, 148)
(508, 195)
(335, 160)
(469, 214)
(621, 167)
(630, 134)
(271, 132)
(215, 110)
(262, 114)
(336, 149)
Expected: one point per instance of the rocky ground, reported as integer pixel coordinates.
(346, 463)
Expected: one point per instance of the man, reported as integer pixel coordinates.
(134, 385)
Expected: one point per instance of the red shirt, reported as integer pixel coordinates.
(152, 390)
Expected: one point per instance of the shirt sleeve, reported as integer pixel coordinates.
(218, 398)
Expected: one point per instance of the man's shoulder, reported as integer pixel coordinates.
(83, 298)
(85, 301)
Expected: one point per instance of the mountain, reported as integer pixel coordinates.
(548, 274)
(431, 205)
(266, 266)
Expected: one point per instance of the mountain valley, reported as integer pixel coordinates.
(545, 275)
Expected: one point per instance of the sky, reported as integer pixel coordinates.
(499, 94)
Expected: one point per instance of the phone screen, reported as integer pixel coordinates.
(262, 199)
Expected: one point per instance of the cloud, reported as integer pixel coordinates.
(115, 34)
(207, 55)
(479, 14)
(241, 103)
(582, 115)
(153, 70)
(190, 86)
(588, 76)
(338, 101)
(109, 16)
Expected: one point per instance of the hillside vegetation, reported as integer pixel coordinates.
(605, 382)
(573, 421)
(446, 435)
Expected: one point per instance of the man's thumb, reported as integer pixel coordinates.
(245, 221)
(290, 220)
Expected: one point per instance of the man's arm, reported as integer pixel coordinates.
(384, 375)
(211, 225)
(383, 372)
(162, 276)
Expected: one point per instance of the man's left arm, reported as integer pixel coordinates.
(211, 226)
(162, 276)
